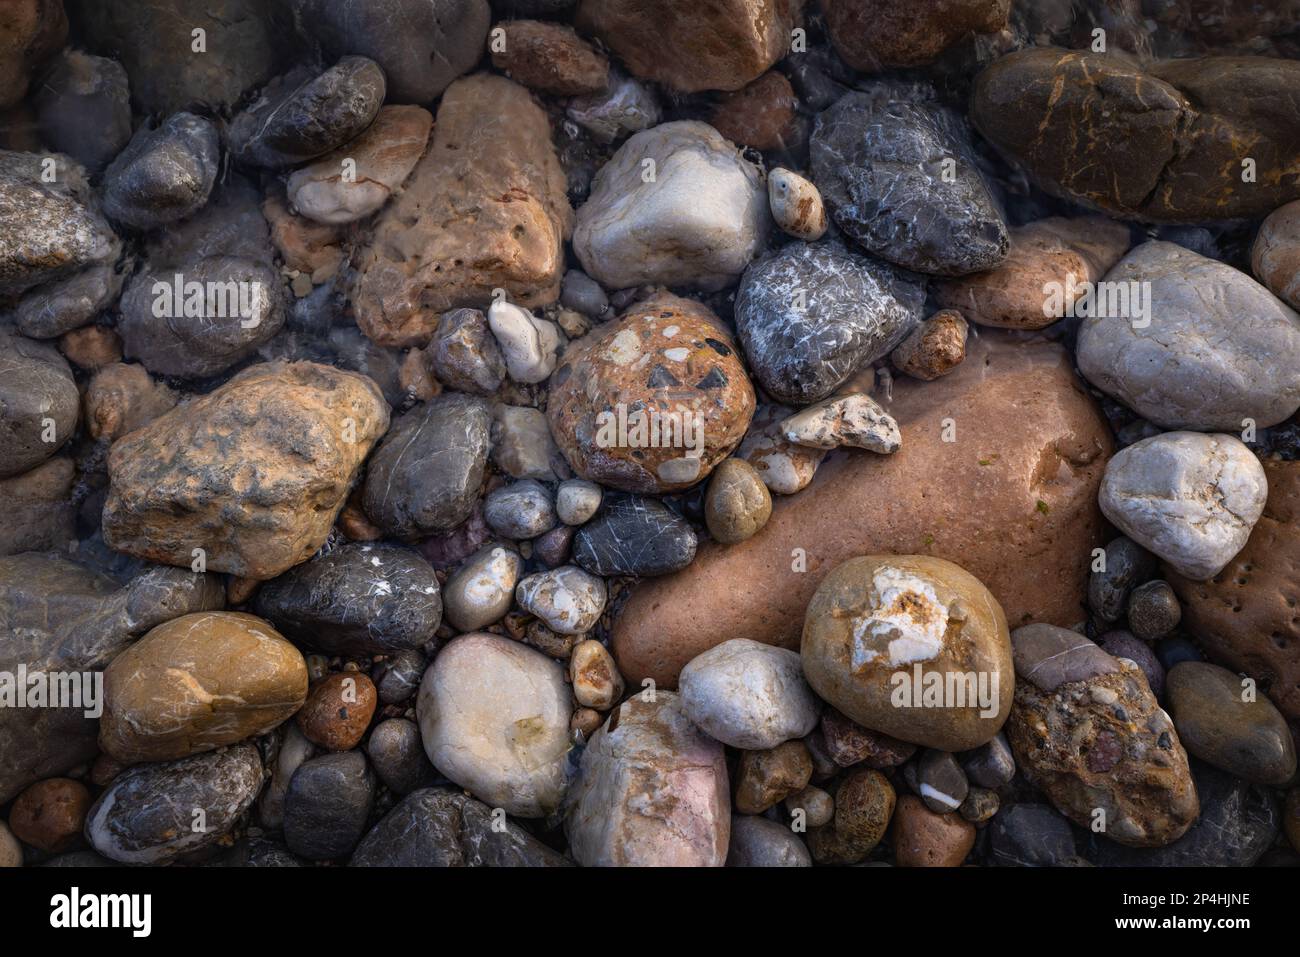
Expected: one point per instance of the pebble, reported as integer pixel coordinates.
(761, 115)
(398, 757)
(1176, 649)
(39, 513)
(922, 838)
(567, 599)
(848, 743)
(991, 765)
(765, 778)
(1190, 498)
(864, 806)
(1030, 835)
(527, 343)
(522, 446)
(634, 536)
(165, 174)
(785, 468)
(980, 805)
(91, 347)
(1275, 256)
(583, 294)
(66, 305)
(121, 398)
(50, 814)
(796, 205)
(1122, 644)
(549, 58)
(871, 36)
(84, 108)
(494, 717)
(327, 805)
(594, 676)
(482, 590)
(1291, 817)
(11, 852)
(853, 420)
(737, 504)
(934, 348)
(1124, 566)
(521, 510)
(293, 750)
(628, 106)
(338, 711)
(464, 354)
(942, 782)
(39, 405)
(1153, 611)
(748, 695)
(398, 677)
(758, 842)
(817, 806)
(577, 500)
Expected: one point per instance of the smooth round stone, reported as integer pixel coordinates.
(398, 677)
(1030, 835)
(1175, 650)
(581, 293)
(568, 599)
(758, 842)
(942, 783)
(1126, 565)
(934, 348)
(749, 695)
(520, 511)
(992, 764)
(577, 500)
(635, 536)
(522, 446)
(737, 504)
(50, 814)
(197, 683)
(464, 354)
(494, 716)
(766, 778)
(66, 307)
(1153, 611)
(796, 205)
(980, 805)
(165, 174)
(398, 757)
(1190, 498)
(528, 344)
(875, 617)
(38, 401)
(153, 813)
(357, 599)
(1275, 257)
(481, 591)
(84, 108)
(1122, 644)
(922, 838)
(338, 711)
(864, 805)
(1247, 738)
(553, 548)
(594, 676)
(817, 806)
(327, 805)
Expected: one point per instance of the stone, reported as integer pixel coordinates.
(748, 695)
(425, 256)
(992, 764)
(595, 679)
(84, 108)
(758, 842)
(634, 536)
(50, 814)
(811, 316)
(1122, 644)
(327, 805)
(980, 805)
(853, 420)
(293, 750)
(165, 174)
(520, 510)
(848, 743)
(91, 347)
(875, 617)
(872, 157)
(398, 757)
(934, 348)
(796, 205)
(549, 58)
(146, 816)
(1221, 721)
(922, 838)
(785, 468)
(253, 473)
(1068, 255)
(332, 191)
(356, 599)
(425, 475)
(39, 510)
(1092, 738)
(553, 548)
(436, 827)
(198, 683)
(817, 807)
(568, 599)
(766, 778)
(577, 500)
(494, 716)
(761, 115)
(581, 293)
(528, 344)
(627, 107)
(537, 635)
(1190, 498)
(737, 504)
(636, 230)
(482, 590)
(32, 30)
(121, 398)
(873, 36)
(39, 405)
(67, 305)
(651, 790)
(1275, 256)
(1153, 611)
(1166, 145)
(943, 784)
(1030, 835)
(1175, 366)
(522, 446)
(11, 852)
(464, 354)
(1291, 817)
(398, 677)
(1125, 565)
(338, 711)
(1045, 473)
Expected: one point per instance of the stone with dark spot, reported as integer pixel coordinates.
(1153, 611)
(327, 805)
(634, 536)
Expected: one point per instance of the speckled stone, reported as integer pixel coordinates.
(796, 205)
(852, 420)
(1153, 611)
(549, 58)
(464, 354)
(785, 468)
(338, 711)
(634, 536)
(577, 500)
(849, 743)
(50, 814)
(934, 348)
(864, 805)
(876, 35)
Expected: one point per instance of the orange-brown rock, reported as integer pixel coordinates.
(934, 348)
(485, 208)
(313, 249)
(50, 814)
(874, 35)
(549, 58)
(922, 838)
(121, 398)
(1030, 447)
(338, 710)
(864, 803)
(761, 115)
(30, 30)
(91, 347)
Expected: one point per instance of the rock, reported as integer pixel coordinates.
(537, 635)
(356, 599)
(878, 617)
(1055, 458)
(520, 510)
(1220, 721)
(651, 790)
(634, 536)
(482, 590)
(398, 756)
(66, 305)
(494, 716)
(1067, 255)
(425, 257)
(785, 468)
(294, 749)
(568, 599)
(873, 160)
(766, 778)
(1174, 366)
(84, 108)
(39, 510)
(165, 174)
(737, 504)
(577, 500)
(848, 743)
(762, 115)
(91, 347)
(549, 58)
(816, 806)
(327, 806)
(1275, 256)
(636, 230)
(253, 473)
(1291, 817)
(991, 765)
(50, 814)
(1030, 835)
(934, 348)
(853, 420)
(528, 344)
(522, 446)
(864, 804)
(39, 404)
(758, 842)
(331, 190)
(924, 839)
(980, 805)
(1153, 611)
(596, 681)
(1165, 145)
(748, 695)
(1192, 499)
(1122, 644)
(1093, 739)
(796, 205)
(1124, 565)
(422, 45)
(811, 316)
(32, 30)
(150, 814)
(553, 548)
(121, 398)
(11, 852)
(398, 676)
(871, 37)
(627, 107)
(464, 354)
(338, 711)
(943, 784)
(425, 475)
(581, 293)
(435, 827)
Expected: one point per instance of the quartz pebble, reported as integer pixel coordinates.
(528, 344)
(480, 592)
(577, 500)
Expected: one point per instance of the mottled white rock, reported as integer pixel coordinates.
(1190, 498)
(520, 511)
(748, 694)
(796, 205)
(784, 467)
(854, 420)
(758, 842)
(577, 500)
(482, 590)
(1218, 349)
(651, 791)
(494, 716)
(595, 678)
(522, 445)
(567, 598)
(528, 343)
(676, 205)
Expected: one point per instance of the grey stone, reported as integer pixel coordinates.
(398, 756)
(628, 106)
(521, 510)
(522, 445)
(464, 354)
(38, 401)
(941, 783)
(327, 805)
(583, 294)
(1048, 656)
(1122, 644)
(991, 765)
(398, 676)
(84, 108)
(1127, 564)
(567, 599)
(577, 500)
(165, 174)
(57, 307)
(635, 536)
(758, 842)
(1030, 835)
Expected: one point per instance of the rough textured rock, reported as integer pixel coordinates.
(848, 743)
(84, 108)
(851, 420)
(934, 348)
(1275, 257)
(31, 30)
(39, 512)
(426, 255)
(696, 222)
(1036, 484)
(627, 107)
(549, 58)
(758, 842)
(327, 805)
(653, 401)
(872, 36)
(165, 174)
(464, 354)
(766, 778)
(295, 433)
(634, 536)
(785, 468)
(864, 804)
(39, 405)
(651, 790)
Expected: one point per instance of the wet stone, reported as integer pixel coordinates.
(634, 536)
(1030, 835)
(165, 174)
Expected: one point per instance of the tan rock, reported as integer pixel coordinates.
(254, 473)
(1275, 257)
(1030, 449)
(548, 57)
(762, 115)
(737, 504)
(922, 838)
(314, 250)
(38, 509)
(486, 207)
(91, 347)
(934, 348)
(864, 803)
(784, 467)
(796, 205)
(198, 683)
(766, 778)
(121, 398)
(50, 814)
(596, 681)
(338, 710)
(874, 35)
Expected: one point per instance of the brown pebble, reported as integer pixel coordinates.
(105, 769)
(737, 504)
(586, 720)
(240, 590)
(338, 711)
(849, 743)
(91, 347)
(864, 805)
(934, 348)
(50, 814)
(922, 838)
(548, 57)
(768, 777)
(353, 523)
(415, 378)
(761, 115)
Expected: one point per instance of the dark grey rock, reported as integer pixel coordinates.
(49, 311)
(1153, 610)
(40, 513)
(231, 224)
(810, 316)
(1030, 835)
(38, 401)
(1128, 564)
(398, 756)
(521, 510)
(327, 805)
(879, 163)
(583, 294)
(531, 8)
(268, 854)
(1175, 650)
(634, 536)
(990, 765)
(464, 355)
(1121, 644)
(942, 784)
(553, 548)
(1049, 656)
(84, 108)
(397, 678)
(165, 174)
(80, 859)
